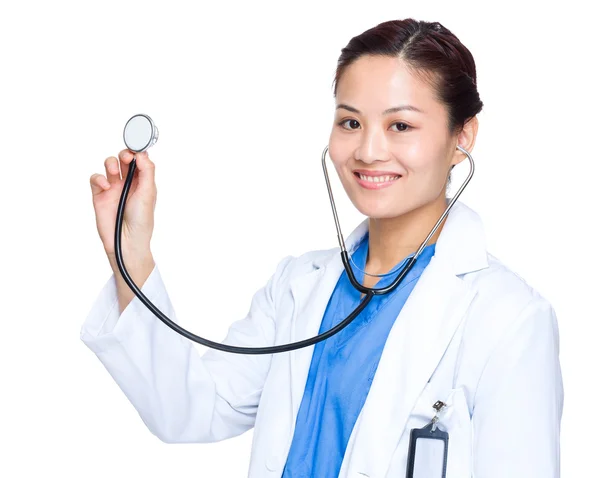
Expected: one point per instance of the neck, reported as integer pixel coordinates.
(393, 239)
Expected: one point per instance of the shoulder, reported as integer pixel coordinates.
(292, 266)
(501, 290)
(500, 286)
(505, 307)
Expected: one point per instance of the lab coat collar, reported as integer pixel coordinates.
(415, 345)
(461, 242)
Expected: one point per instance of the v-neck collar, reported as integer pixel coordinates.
(359, 257)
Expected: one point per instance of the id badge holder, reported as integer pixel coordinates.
(428, 449)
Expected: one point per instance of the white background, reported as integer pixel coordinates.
(241, 93)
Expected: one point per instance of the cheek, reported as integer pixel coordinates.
(425, 159)
(333, 161)
(336, 151)
(342, 172)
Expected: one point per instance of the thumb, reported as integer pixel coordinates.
(145, 170)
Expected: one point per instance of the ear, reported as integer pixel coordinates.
(466, 139)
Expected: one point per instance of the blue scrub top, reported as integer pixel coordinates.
(343, 367)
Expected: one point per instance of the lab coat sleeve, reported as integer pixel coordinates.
(181, 396)
(519, 400)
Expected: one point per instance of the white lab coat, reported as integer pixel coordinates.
(472, 334)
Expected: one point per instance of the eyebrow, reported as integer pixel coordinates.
(389, 110)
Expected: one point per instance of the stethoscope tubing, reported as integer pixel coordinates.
(369, 292)
(345, 259)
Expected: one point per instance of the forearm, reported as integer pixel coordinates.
(138, 268)
(181, 396)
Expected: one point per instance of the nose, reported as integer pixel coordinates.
(373, 147)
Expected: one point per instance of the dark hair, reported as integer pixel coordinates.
(432, 52)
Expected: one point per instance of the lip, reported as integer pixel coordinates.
(373, 185)
(366, 172)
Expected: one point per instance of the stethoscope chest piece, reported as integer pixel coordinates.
(140, 133)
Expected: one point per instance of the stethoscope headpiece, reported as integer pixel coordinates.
(140, 133)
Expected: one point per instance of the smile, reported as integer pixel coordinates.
(375, 182)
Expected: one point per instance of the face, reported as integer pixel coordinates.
(365, 139)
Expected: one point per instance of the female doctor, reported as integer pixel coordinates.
(461, 329)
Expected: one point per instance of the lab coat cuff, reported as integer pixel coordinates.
(103, 328)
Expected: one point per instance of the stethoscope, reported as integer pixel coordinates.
(140, 133)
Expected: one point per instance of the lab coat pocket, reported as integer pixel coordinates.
(455, 419)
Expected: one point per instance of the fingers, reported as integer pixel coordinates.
(125, 157)
(111, 165)
(98, 183)
(144, 166)
(146, 170)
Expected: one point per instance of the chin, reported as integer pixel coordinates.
(378, 209)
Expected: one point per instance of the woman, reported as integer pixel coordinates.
(461, 328)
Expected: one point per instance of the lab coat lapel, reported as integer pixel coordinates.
(417, 342)
(415, 345)
(311, 294)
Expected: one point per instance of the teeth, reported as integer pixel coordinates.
(377, 179)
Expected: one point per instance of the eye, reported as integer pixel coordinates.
(341, 123)
(406, 127)
(404, 124)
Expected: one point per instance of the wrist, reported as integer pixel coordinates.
(133, 262)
